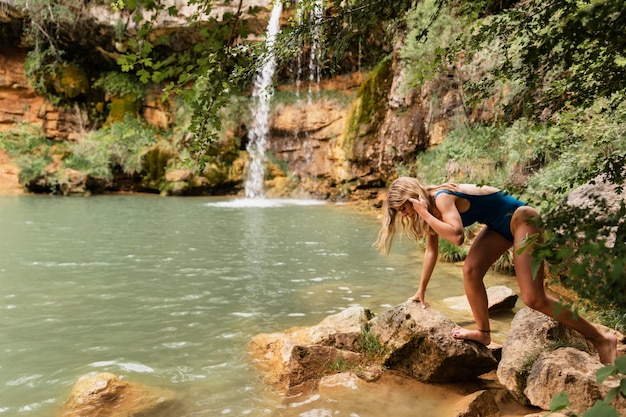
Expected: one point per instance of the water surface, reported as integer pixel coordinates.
(169, 291)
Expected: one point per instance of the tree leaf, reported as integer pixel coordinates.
(605, 372)
(601, 409)
(559, 401)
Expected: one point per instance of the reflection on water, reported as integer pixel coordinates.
(169, 291)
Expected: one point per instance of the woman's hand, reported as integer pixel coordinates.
(419, 205)
(419, 297)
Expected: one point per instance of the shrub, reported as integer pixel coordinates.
(121, 84)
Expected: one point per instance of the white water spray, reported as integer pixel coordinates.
(261, 95)
(316, 53)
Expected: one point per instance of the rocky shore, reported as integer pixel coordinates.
(406, 350)
(539, 359)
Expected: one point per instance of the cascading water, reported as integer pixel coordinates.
(261, 95)
(315, 57)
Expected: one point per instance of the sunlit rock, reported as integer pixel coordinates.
(500, 298)
(478, 404)
(105, 395)
(9, 176)
(572, 371)
(589, 196)
(419, 342)
(531, 334)
(305, 354)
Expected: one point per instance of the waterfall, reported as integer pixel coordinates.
(261, 95)
(315, 56)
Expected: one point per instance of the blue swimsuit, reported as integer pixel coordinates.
(494, 210)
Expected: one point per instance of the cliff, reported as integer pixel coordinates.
(342, 140)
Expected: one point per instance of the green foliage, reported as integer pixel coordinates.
(126, 143)
(30, 149)
(601, 408)
(44, 31)
(90, 158)
(370, 345)
(122, 146)
(585, 247)
(212, 63)
(367, 26)
(451, 253)
(24, 138)
(432, 28)
(365, 115)
(120, 84)
(521, 374)
(339, 364)
(563, 52)
(469, 154)
(612, 318)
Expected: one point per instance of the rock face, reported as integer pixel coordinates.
(410, 339)
(105, 395)
(303, 355)
(416, 344)
(572, 371)
(419, 342)
(9, 176)
(500, 298)
(531, 333)
(534, 372)
(320, 140)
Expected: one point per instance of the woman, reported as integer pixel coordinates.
(443, 211)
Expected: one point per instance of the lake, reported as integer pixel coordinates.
(169, 291)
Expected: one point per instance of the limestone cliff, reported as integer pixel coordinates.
(335, 148)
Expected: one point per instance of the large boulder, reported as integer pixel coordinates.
(531, 334)
(303, 355)
(419, 342)
(572, 371)
(500, 297)
(105, 395)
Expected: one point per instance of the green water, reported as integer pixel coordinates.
(169, 291)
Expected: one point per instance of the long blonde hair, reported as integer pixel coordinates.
(414, 227)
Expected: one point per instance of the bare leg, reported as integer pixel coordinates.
(486, 249)
(535, 297)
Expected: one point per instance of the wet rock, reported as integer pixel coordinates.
(531, 334)
(105, 395)
(479, 404)
(419, 342)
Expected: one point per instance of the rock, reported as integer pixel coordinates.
(303, 355)
(419, 342)
(72, 182)
(479, 404)
(531, 333)
(341, 379)
(588, 196)
(9, 176)
(544, 415)
(569, 370)
(500, 298)
(178, 175)
(105, 395)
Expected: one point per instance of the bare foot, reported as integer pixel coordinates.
(607, 349)
(481, 336)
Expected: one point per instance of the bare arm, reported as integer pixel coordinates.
(450, 227)
(428, 266)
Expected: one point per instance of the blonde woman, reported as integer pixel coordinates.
(443, 211)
